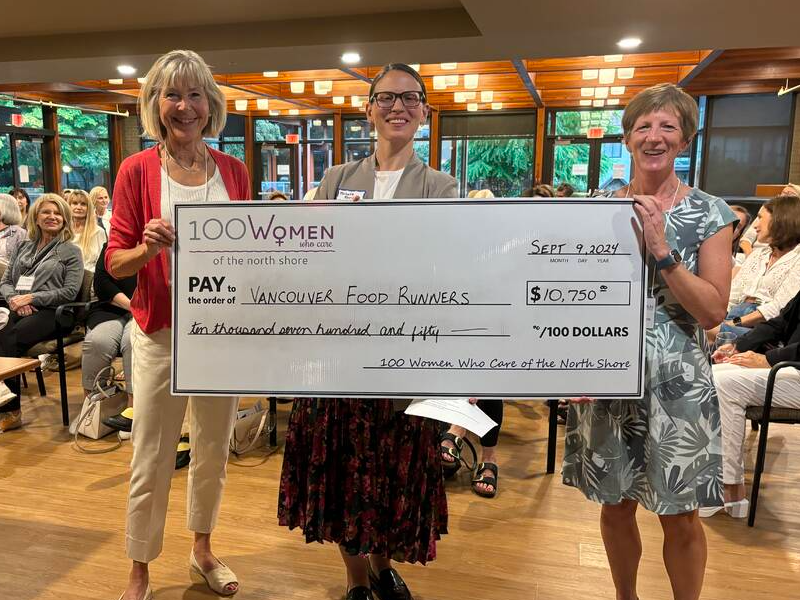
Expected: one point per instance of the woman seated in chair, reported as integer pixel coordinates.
(740, 377)
(45, 272)
(88, 235)
(11, 234)
(108, 333)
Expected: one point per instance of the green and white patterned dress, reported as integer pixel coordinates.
(663, 451)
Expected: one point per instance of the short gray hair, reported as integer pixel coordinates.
(9, 210)
(186, 67)
(658, 97)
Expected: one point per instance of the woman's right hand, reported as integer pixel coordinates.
(158, 234)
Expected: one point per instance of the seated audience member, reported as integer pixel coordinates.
(770, 275)
(564, 190)
(89, 236)
(310, 194)
(11, 234)
(24, 204)
(748, 241)
(484, 481)
(45, 272)
(100, 198)
(543, 190)
(478, 194)
(277, 196)
(741, 381)
(744, 222)
(108, 333)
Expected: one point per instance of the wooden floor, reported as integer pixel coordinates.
(62, 517)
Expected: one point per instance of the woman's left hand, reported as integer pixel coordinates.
(26, 311)
(652, 220)
(19, 301)
(473, 400)
(750, 359)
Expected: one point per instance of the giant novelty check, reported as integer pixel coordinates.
(431, 298)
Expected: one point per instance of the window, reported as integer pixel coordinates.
(747, 143)
(359, 140)
(85, 160)
(317, 152)
(30, 114)
(231, 140)
(578, 122)
(492, 152)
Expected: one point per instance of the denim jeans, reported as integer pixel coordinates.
(740, 310)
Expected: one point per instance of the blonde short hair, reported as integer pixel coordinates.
(480, 194)
(794, 187)
(9, 210)
(34, 232)
(659, 97)
(189, 68)
(95, 191)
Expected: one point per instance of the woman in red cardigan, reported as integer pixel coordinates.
(180, 103)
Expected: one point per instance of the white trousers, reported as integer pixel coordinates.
(740, 387)
(156, 430)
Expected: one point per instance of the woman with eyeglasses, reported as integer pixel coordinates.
(362, 473)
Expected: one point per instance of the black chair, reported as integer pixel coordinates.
(70, 329)
(764, 415)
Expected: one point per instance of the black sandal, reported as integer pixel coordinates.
(449, 469)
(486, 480)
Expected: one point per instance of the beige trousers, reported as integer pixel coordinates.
(156, 430)
(740, 387)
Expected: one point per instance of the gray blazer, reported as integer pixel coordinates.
(58, 277)
(417, 181)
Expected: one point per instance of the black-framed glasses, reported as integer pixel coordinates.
(410, 99)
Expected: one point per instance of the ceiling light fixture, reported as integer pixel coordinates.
(586, 102)
(270, 74)
(116, 81)
(294, 111)
(625, 73)
(601, 92)
(598, 103)
(617, 90)
(471, 81)
(240, 104)
(606, 76)
(322, 87)
(487, 96)
(451, 80)
(351, 58)
(613, 58)
(439, 82)
(589, 73)
(126, 70)
(297, 87)
(448, 66)
(338, 99)
(629, 43)
(587, 92)
(274, 113)
(612, 102)
(497, 105)
(472, 107)
(262, 103)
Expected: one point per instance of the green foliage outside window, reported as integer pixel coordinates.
(504, 166)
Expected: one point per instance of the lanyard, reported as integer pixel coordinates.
(169, 179)
(39, 256)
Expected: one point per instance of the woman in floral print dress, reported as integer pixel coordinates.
(662, 452)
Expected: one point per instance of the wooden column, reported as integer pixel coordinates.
(116, 131)
(337, 138)
(52, 152)
(249, 151)
(433, 155)
(540, 135)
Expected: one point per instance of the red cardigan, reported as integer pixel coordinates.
(137, 199)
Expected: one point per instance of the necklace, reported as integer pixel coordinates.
(671, 204)
(189, 169)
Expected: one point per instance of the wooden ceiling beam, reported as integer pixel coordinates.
(700, 67)
(526, 80)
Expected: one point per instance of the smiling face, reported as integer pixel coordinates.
(398, 123)
(655, 140)
(79, 206)
(183, 110)
(762, 225)
(101, 201)
(49, 219)
(22, 202)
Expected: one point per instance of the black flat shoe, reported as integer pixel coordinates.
(360, 593)
(119, 422)
(389, 585)
(184, 454)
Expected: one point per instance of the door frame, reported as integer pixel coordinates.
(28, 133)
(593, 176)
(258, 172)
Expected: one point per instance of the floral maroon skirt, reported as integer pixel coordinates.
(359, 474)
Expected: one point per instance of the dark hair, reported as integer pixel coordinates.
(566, 188)
(405, 69)
(741, 227)
(784, 227)
(20, 192)
(543, 190)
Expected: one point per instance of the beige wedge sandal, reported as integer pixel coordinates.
(218, 578)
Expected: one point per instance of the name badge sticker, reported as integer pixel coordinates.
(650, 312)
(25, 283)
(351, 195)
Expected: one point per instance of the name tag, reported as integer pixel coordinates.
(650, 313)
(351, 195)
(25, 283)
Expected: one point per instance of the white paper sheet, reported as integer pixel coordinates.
(457, 411)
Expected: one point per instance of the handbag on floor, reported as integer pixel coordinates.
(105, 400)
(251, 428)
